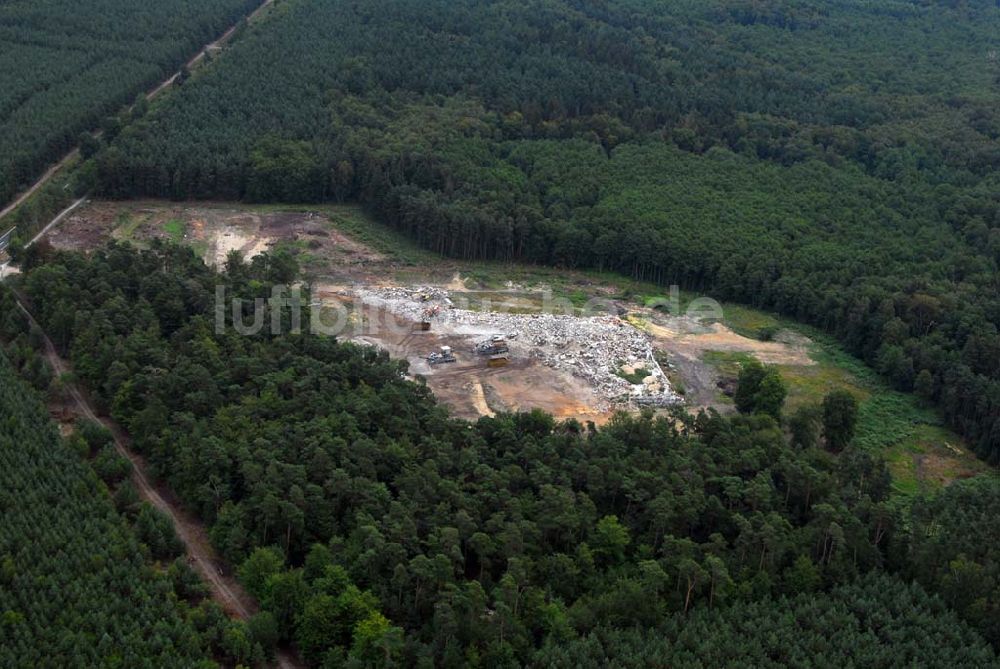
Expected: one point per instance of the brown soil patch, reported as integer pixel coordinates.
(457, 283)
(479, 399)
(469, 388)
(521, 386)
(942, 465)
(83, 231)
(214, 230)
(683, 342)
(718, 337)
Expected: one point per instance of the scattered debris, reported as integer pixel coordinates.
(593, 348)
(727, 386)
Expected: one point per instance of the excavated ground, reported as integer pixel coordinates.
(568, 365)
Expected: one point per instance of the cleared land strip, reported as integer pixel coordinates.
(225, 589)
(44, 179)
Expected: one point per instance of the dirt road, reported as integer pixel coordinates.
(44, 179)
(221, 41)
(152, 94)
(55, 221)
(225, 590)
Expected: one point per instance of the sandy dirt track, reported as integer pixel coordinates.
(225, 590)
(151, 95)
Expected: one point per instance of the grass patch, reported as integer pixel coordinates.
(673, 376)
(901, 463)
(810, 384)
(175, 229)
(499, 302)
(484, 280)
(311, 261)
(634, 377)
(930, 458)
(200, 247)
(728, 363)
(921, 453)
(354, 221)
(126, 225)
(751, 322)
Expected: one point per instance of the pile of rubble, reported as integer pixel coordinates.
(596, 349)
(418, 303)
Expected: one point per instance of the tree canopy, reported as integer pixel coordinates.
(376, 530)
(65, 66)
(75, 589)
(832, 161)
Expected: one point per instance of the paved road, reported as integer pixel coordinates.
(44, 231)
(55, 221)
(44, 179)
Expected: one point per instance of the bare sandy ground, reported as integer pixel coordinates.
(468, 387)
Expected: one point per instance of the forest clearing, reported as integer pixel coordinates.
(449, 333)
(349, 260)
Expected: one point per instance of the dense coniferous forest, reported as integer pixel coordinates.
(834, 161)
(90, 575)
(876, 622)
(65, 66)
(75, 589)
(377, 531)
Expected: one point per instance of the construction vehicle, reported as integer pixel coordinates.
(445, 355)
(496, 345)
(499, 360)
(429, 314)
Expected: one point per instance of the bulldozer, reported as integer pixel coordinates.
(445, 355)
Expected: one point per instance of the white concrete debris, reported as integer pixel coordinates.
(416, 304)
(595, 349)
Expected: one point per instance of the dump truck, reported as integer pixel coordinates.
(499, 360)
(430, 313)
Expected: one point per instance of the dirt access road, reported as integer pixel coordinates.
(151, 95)
(221, 41)
(225, 590)
(231, 596)
(45, 178)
